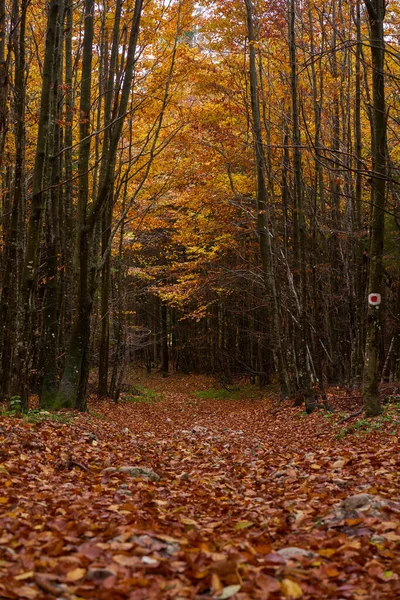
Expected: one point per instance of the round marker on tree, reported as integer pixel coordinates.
(374, 299)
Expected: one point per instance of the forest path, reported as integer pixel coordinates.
(238, 487)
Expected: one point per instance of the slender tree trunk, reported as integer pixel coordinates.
(164, 340)
(13, 251)
(395, 368)
(359, 291)
(119, 321)
(306, 393)
(105, 302)
(318, 204)
(80, 336)
(4, 80)
(50, 311)
(376, 14)
(67, 203)
(335, 270)
(107, 213)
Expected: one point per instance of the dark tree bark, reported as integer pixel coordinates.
(359, 290)
(66, 208)
(35, 224)
(4, 79)
(164, 340)
(395, 368)
(376, 15)
(305, 392)
(107, 213)
(14, 246)
(80, 337)
(51, 312)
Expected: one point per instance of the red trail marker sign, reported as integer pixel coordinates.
(374, 299)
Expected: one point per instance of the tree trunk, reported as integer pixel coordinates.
(164, 340)
(50, 305)
(107, 213)
(13, 250)
(80, 337)
(31, 262)
(68, 232)
(359, 291)
(306, 393)
(376, 14)
(4, 80)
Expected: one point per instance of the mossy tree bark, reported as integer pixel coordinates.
(70, 383)
(14, 245)
(35, 224)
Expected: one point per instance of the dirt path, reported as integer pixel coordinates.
(237, 487)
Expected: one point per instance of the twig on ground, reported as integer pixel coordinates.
(47, 586)
(74, 463)
(351, 415)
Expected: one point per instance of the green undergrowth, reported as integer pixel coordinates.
(141, 395)
(389, 420)
(97, 415)
(33, 415)
(234, 393)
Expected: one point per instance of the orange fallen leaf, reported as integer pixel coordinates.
(216, 585)
(353, 521)
(291, 589)
(127, 561)
(76, 574)
(23, 576)
(27, 592)
(244, 524)
(328, 552)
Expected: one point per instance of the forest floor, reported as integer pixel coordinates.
(223, 498)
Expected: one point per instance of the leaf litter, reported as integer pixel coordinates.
(197, 498)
